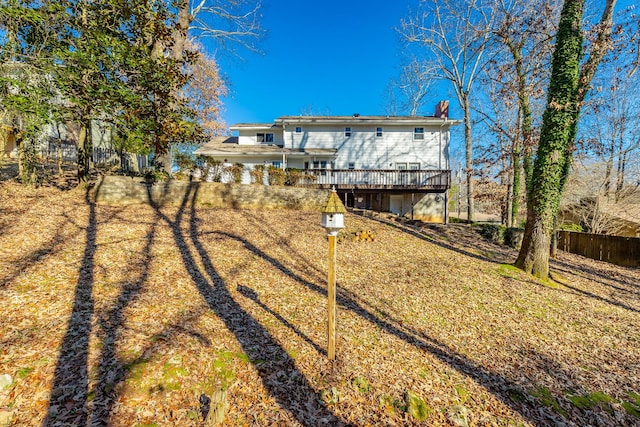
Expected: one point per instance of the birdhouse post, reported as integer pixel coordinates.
(333, 221)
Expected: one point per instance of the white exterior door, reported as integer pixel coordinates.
(395, 204)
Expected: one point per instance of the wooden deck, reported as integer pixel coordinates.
(381, 179)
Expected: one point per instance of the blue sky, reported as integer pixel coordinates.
(330, 57)
(323, 57)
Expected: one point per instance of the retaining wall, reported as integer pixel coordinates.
(121, 190)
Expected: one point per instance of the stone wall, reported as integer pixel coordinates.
(121, 190)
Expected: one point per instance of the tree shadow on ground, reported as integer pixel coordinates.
(498, 385)
(71, 402)
(421, 235)
(622, 282)
(276, 369)
(70, 390)
(558, 265)
(110, 370)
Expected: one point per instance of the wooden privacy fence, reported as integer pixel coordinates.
(614, 249)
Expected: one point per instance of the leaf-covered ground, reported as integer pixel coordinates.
(143, 316)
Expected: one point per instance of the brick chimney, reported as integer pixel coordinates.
(442, 109)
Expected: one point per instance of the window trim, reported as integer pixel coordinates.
(351, 165)
(418, 136)
(265, 139)
(298, 129)
(379, 132)
(347, 132)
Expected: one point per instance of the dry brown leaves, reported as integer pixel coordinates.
(147, 316)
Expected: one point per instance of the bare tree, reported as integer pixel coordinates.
(585, 202)
(408, 93)
(231, 23)
(523, 35)
(455, 36)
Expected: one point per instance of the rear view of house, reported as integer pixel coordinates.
(398, 164)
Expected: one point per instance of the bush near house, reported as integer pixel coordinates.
(276, 176)
(235, 171)
(294, 177)
(257, 174)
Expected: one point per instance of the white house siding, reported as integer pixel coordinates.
(248, 136)
(366, 151)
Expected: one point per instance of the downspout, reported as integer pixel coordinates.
(284, 160)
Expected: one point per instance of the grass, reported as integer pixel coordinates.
(545, 397)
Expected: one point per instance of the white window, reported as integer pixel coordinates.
(401, 166)
(264, 137)
(414, 166)
(298, 129)
(347, 132)
(418, 134)
(276, 164)
(316, 164)
(352, 165)
(378, 132)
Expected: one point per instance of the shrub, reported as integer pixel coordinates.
(212, 171)
(572, 227)
(152, 175)
(513, 237)
(293, 177)
(276, 176)
(493, 232)
(257, 174)
(309, 178)
(235, 171)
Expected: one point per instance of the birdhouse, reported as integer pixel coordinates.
(333, 214)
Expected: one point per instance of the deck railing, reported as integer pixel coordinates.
(381, 179)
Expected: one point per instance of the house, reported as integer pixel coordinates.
(599, 215)
(398, 164)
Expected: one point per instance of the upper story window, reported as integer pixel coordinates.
(352, 165)
(298, 129)
(264, 137)
(378, 132)
(347, 132)
(414, 166)
(418, 134)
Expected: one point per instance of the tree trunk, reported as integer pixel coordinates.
(558, 124)
(553, 251)
(508, 217)
(622, 164)
(59, 150)
(469, 156)
(180, 30)
(84, 152)
(607, 173)
(516, 175)
(534, 252)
